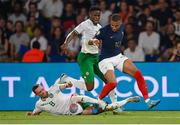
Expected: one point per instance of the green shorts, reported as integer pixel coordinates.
(88, 64)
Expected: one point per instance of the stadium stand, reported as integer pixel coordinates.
(155, 21)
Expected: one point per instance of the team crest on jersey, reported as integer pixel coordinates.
(117, 44)
(73, 108)
(87, 73)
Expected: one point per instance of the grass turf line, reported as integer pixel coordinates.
(127, 117)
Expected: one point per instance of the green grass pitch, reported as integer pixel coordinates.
(127, 117)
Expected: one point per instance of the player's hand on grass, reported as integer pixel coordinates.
(29, 113)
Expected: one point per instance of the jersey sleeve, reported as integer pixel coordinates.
(55, 88)
(37, 109)
(80, 28)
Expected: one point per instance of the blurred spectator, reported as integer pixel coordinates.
(129, 34)
(83, 13)
(144, 17)
(105, 13)
(79, 19)
(134, 52)
(3, 41)
(19, 41)
(73, 49)
(165, 55)
(55, 22)
(176, 53)
(56, 40)
(38, 36)
(33, 11)
(68, 18)
(169, 39)
(82, 4)
(149, 41)
(113, 7)
(5, 8)
(9, 28)
(34, 54)
(177, 23)
(162, 13)
(2, 25)
(17, 14)
(124, 11)
(30, 26)
(51, 8)
(27, 4)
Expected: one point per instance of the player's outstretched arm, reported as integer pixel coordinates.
(64, 86)
(69, 37)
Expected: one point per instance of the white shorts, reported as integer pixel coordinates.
(115, 62)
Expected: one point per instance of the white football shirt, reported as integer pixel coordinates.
(57, 103)
(88, 31)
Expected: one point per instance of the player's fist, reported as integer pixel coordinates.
(95, 42)
(68, 85)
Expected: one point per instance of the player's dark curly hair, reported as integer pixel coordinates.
(94, 8)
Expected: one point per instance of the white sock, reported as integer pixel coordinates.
(80, 84)
(83, 98)
(113, 96)
(123, 102)
(147, 100)
(115, 105)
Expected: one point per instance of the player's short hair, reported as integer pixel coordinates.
(35, 87)
(94, 8)
(115, 17)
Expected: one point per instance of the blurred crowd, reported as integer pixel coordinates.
(29, 27)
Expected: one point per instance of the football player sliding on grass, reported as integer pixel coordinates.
(55, 102)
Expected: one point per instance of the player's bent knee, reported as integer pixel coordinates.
(90, 86)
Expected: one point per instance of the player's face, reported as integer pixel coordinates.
(95, 16)
(40, 91)
(115, 25)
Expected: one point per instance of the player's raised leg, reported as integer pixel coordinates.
(131, 69)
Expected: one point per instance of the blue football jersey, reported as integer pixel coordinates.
(111, 41)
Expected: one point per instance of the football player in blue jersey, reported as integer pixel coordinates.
(111, 37)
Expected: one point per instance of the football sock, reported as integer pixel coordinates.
(106, 89)
(115, 105)
(83, 99)
(113, 96)
(121, 103)
(141, 84)
(147, 100)
(80, 84)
